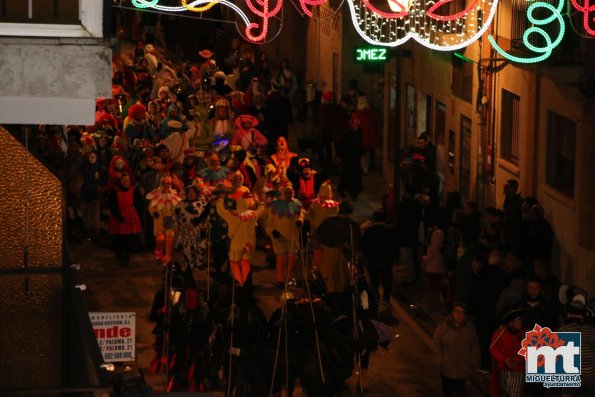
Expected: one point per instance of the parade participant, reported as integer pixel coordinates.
(321, 208)
(88, 143)
(162, 203)
(223, 127)
(203, 135)
(167, 127)
(340, 239)
(178, 141)
(189, 171)
(204, 95)
(240, 161)
(238, 189)
(205, 67)
(504, 348)
(247, 136)
(284, 218)
(220, 87)
(135, 124)
(154, 117)
(191, 226)
(283, 159)
(240, 216)
(214, 174)
(267, 187)
(124, 222)
(118, 166)
(309, 183)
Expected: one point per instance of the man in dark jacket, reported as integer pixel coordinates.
(536, 309)
(409, 218)
(378, 246)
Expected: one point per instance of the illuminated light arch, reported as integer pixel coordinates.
(305, 3)
(392, 32)
(154, 4)
(546, 50)
(200, 9)
(265, 14)
(432, 11)
(588, 15)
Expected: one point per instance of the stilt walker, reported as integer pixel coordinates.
(162, 203)
(284, 218)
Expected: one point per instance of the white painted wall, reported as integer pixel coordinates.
(52, 81)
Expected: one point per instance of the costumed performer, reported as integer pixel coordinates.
(191, 226)
(321, 208)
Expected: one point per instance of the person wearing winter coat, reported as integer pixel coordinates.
(378, 246)
(93, 175)
(456, 348)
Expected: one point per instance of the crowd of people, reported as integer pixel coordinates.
(185, 157)
(195, 167)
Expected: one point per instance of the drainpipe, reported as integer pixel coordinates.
(536, 133)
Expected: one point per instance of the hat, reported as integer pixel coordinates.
(578, 305)
(326, 190)
(246, 118)
(174, 125)
(304, 162)
(206, 53)
(512, 315)
(345, 208)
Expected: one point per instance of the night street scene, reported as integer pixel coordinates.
(307, 198)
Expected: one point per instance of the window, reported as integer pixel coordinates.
(51, 18)
(509, 127)
(462, 79)
(40, 11)
(561, 150)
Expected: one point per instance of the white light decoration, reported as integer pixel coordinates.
(422, 24)
(423, 21)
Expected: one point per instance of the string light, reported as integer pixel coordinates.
(265, 14)
(305, 3)
(550, 45)
(388, 15)
(588, 13)
(409, 19)
(199, 9)
(421, 26)
(432, 11)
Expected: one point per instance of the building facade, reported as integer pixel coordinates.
(494, 120)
